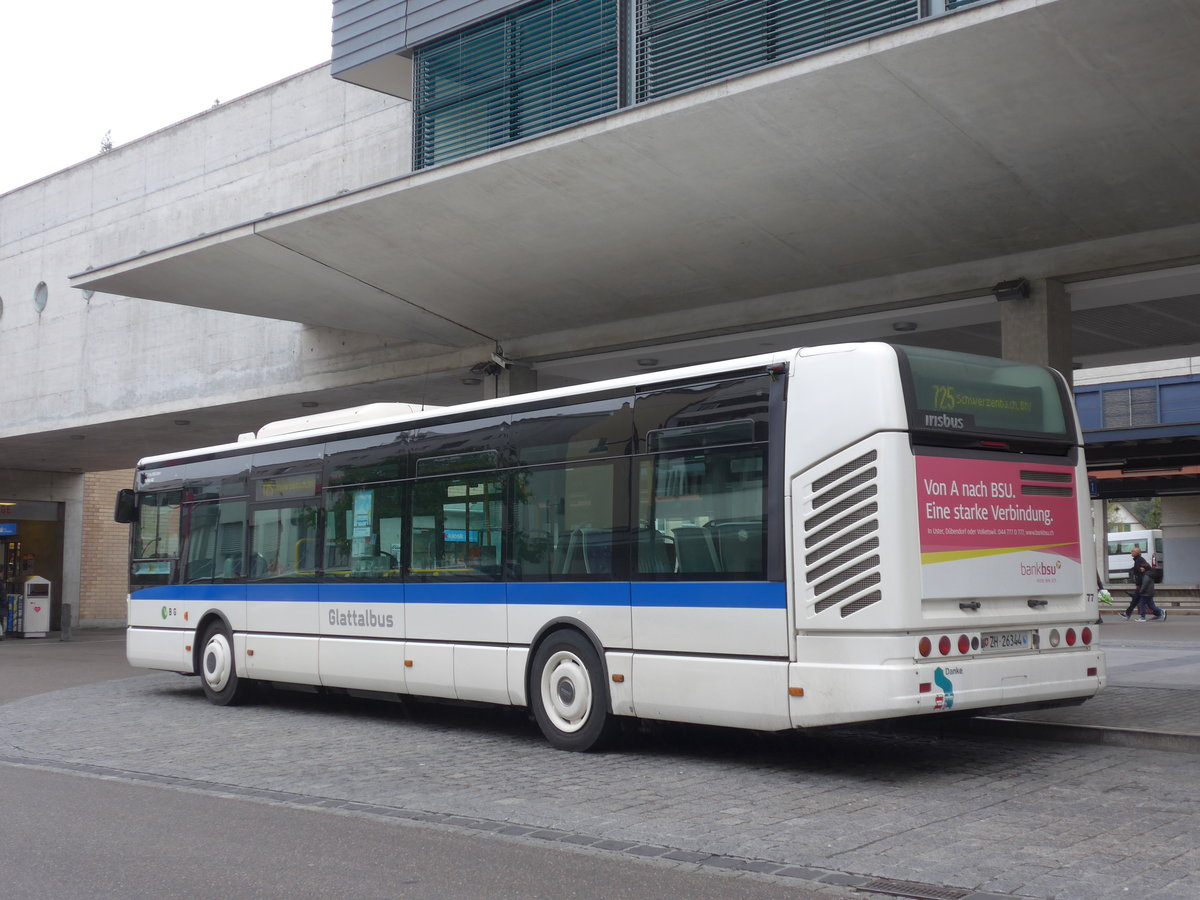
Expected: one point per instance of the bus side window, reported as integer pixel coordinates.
(565, 522)
(283, 541)
(213, 541)
(364, 528)
(156, 539)
(457, 525)
(708, 507)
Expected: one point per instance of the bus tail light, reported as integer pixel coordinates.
(964, 644)
(1070, 637)
(944, 645)
(925, 646)
(1086, 636)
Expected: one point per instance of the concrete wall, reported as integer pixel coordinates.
(292, 143)
(82, 361)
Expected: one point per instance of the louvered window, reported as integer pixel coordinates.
(685, 43)
(542, 67)
(1125, 407)
(553, 63)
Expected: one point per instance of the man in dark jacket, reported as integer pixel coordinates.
(1135, 578)
(1145, 590)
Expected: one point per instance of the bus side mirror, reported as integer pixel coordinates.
(127, 507)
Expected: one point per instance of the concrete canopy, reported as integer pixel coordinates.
(1015, 138)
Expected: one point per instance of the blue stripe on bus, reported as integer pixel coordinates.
(569, 593)
(455, 592)
(694, 594)
(712, 594)
(208, 593)
(362, 593)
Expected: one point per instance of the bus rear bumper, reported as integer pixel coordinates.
(834, 694)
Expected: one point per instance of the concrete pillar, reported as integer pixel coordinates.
(72, 559)
(1100, 538)
(1181, 540)
(513, 380)
(1037, 329)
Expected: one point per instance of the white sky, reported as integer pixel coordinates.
(71, 70)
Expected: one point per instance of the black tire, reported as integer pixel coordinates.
(568, 694)
(218, 671)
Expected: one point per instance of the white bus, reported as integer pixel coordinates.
(1120, 549)
(825, 535)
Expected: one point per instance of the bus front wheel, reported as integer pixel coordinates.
(569, 697)
(218, 671)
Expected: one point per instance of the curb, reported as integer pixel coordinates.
(1081, 734)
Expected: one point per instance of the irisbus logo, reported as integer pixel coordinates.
(933, 420)
(1041, 568)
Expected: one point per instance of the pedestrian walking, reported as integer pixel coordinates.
(1135, 577)
(1146, 592)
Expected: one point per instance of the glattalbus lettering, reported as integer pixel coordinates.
(360, 618)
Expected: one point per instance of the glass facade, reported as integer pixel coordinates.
(555, 63)
(546, 65)
(682, 44)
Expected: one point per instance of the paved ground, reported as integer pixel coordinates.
(1153, 698)
(37, 665)
(1096, 815)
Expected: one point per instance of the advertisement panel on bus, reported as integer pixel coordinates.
(1004, 527)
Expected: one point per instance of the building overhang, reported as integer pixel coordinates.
(956, 146)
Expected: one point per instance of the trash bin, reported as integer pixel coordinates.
(35, 607)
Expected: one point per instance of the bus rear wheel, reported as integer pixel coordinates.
(569, 696)
(218, 671)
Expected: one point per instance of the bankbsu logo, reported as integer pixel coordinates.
(1041, 568)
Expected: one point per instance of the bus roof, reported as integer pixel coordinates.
(266, 439)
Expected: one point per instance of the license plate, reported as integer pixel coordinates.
(1005, 640)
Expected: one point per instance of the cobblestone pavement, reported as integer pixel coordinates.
(992, 815)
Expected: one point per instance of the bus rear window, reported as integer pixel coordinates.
(957, 393)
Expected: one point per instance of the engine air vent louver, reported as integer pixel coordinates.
(831, 512)
(841, 537)
(838, 474)
(847, 592)
(845, 539)
(819, 572)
